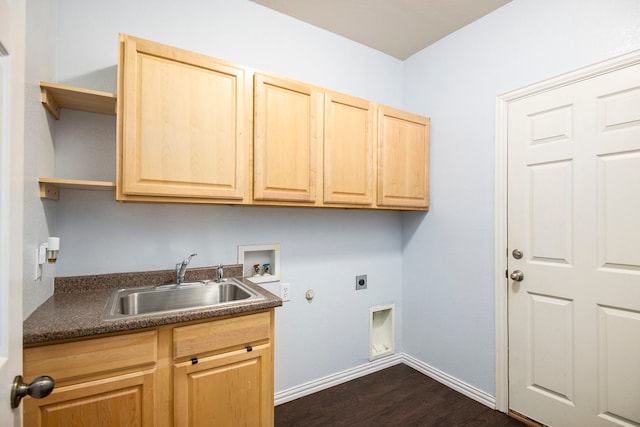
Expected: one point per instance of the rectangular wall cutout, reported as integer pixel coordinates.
(381, 331)
(252, 255)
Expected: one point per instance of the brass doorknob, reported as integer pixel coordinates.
(517, 275)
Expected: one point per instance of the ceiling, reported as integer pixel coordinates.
(399, 28)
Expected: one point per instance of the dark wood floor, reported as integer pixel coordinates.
(396, 396)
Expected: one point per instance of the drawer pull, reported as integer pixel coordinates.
(249, 348)
(194, 360)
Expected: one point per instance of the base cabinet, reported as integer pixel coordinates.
(208, 373)
(225, 390)
(99, 382)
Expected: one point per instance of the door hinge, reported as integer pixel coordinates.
(506, 273)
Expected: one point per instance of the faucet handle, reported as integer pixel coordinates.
(219, 273)
(187, 260)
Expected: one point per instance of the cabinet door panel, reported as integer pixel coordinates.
(287, 134)
(348, 150)
(403, 162)
(184, 124)
(125, 400)
(234, 388)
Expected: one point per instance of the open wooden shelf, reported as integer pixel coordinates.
(55, 97)
(49, 187)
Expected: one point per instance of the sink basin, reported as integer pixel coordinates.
(129, 302)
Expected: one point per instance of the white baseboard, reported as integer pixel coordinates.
(314, 386)
(451, 382)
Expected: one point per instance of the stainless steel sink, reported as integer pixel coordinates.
(130, 302)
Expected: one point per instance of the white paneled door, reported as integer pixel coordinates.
(574, 215)
(11, 201)
(9, 363)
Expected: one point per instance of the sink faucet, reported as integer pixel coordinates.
(220, 274)
(181, 268)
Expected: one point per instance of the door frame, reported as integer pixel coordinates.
(500, 204)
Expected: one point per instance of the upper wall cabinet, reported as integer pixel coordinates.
(312, 147)
(403, 159)
(348, 150)
(184, 126)
(287, 138)
(194, 129)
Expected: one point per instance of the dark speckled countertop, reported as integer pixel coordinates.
(75, 310)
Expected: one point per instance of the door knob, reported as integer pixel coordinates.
(517, 275)
(39, 388)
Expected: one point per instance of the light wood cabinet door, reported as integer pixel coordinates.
(287, 140)
(403, 159)
(228, 389)
(223, 372)
(348, 150)
(183, 126)
(104, 382)
(123, 400)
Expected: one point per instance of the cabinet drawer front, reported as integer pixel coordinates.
(71, 360)
(211, 336)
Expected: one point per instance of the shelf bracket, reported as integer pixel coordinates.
(49, 191)
(50, 103)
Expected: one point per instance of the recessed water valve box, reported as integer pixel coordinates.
(381, 332)
(260, 263)
(361, 282)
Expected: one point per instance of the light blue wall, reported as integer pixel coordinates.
(448, 255)
(39, 218)
(321, 249)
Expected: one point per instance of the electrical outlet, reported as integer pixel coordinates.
(361, 282)
(284, 292)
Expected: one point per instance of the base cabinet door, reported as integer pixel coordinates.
(103, 382)
(125, 400)
(228, 389)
